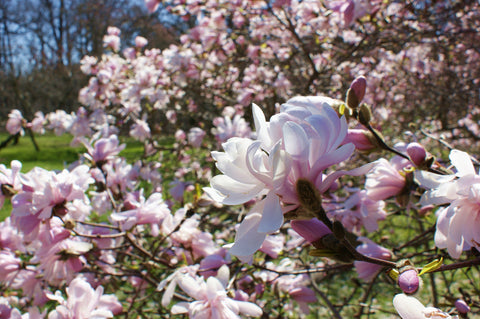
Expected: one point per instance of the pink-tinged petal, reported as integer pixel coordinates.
(249, 309)
(430, 180)
(311, 229)
(328, 181)
(462, 163)
(181, 307)
(408, 307)
(272, 217)
(442, 228)
(295, 140)
(248, 240)
(303, 294)
(214, 285)
(325, 129)
(191, 287)
(335, 157)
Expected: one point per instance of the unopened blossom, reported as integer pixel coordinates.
(409, 281)
(84, 302)
(458, 223)
(15, 122)
(409, 307)
(462, 307)
(312, 229)
(417, 153)
(362, 139)
(211, 300)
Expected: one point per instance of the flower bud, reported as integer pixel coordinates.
(462, 306)
(356, 92)
(362, 139)
(417, 153)
(364, 114)
(409, 281)
(311, 230)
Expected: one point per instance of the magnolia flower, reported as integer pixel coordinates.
(302, 141)
(458, 223)
(84, 302)
(365, 270)
(386, 178)
(410, 308)
(195, 136)
(15, 122)
(211, 300)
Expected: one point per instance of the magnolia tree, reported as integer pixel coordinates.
(324, 206)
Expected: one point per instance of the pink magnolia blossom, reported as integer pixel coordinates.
(140, 42)
(84, 302)
(457, 223)
(195, 136)
(142, 211)
(140, 130)
(59, 121)
(409, 307)
(368, 271)
(386, 178)
(302, 141)
(15, 122)
(9, 180)
(37, 124)
(359, 211)
(211, 299)
(104, 149)
(152, 5)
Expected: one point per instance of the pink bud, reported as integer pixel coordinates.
(409, 281)
(359, 138)
(359, 86)
(311, 230)
(417, 153)
(462, 306)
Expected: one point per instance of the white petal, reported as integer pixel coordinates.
(430, 180)
(248, 240)
(249, 309)
(462, 163)
(272, 215)
(408, 307)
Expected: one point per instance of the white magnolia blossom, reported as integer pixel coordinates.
(458, 223)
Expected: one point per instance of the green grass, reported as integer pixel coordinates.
(55, 152)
